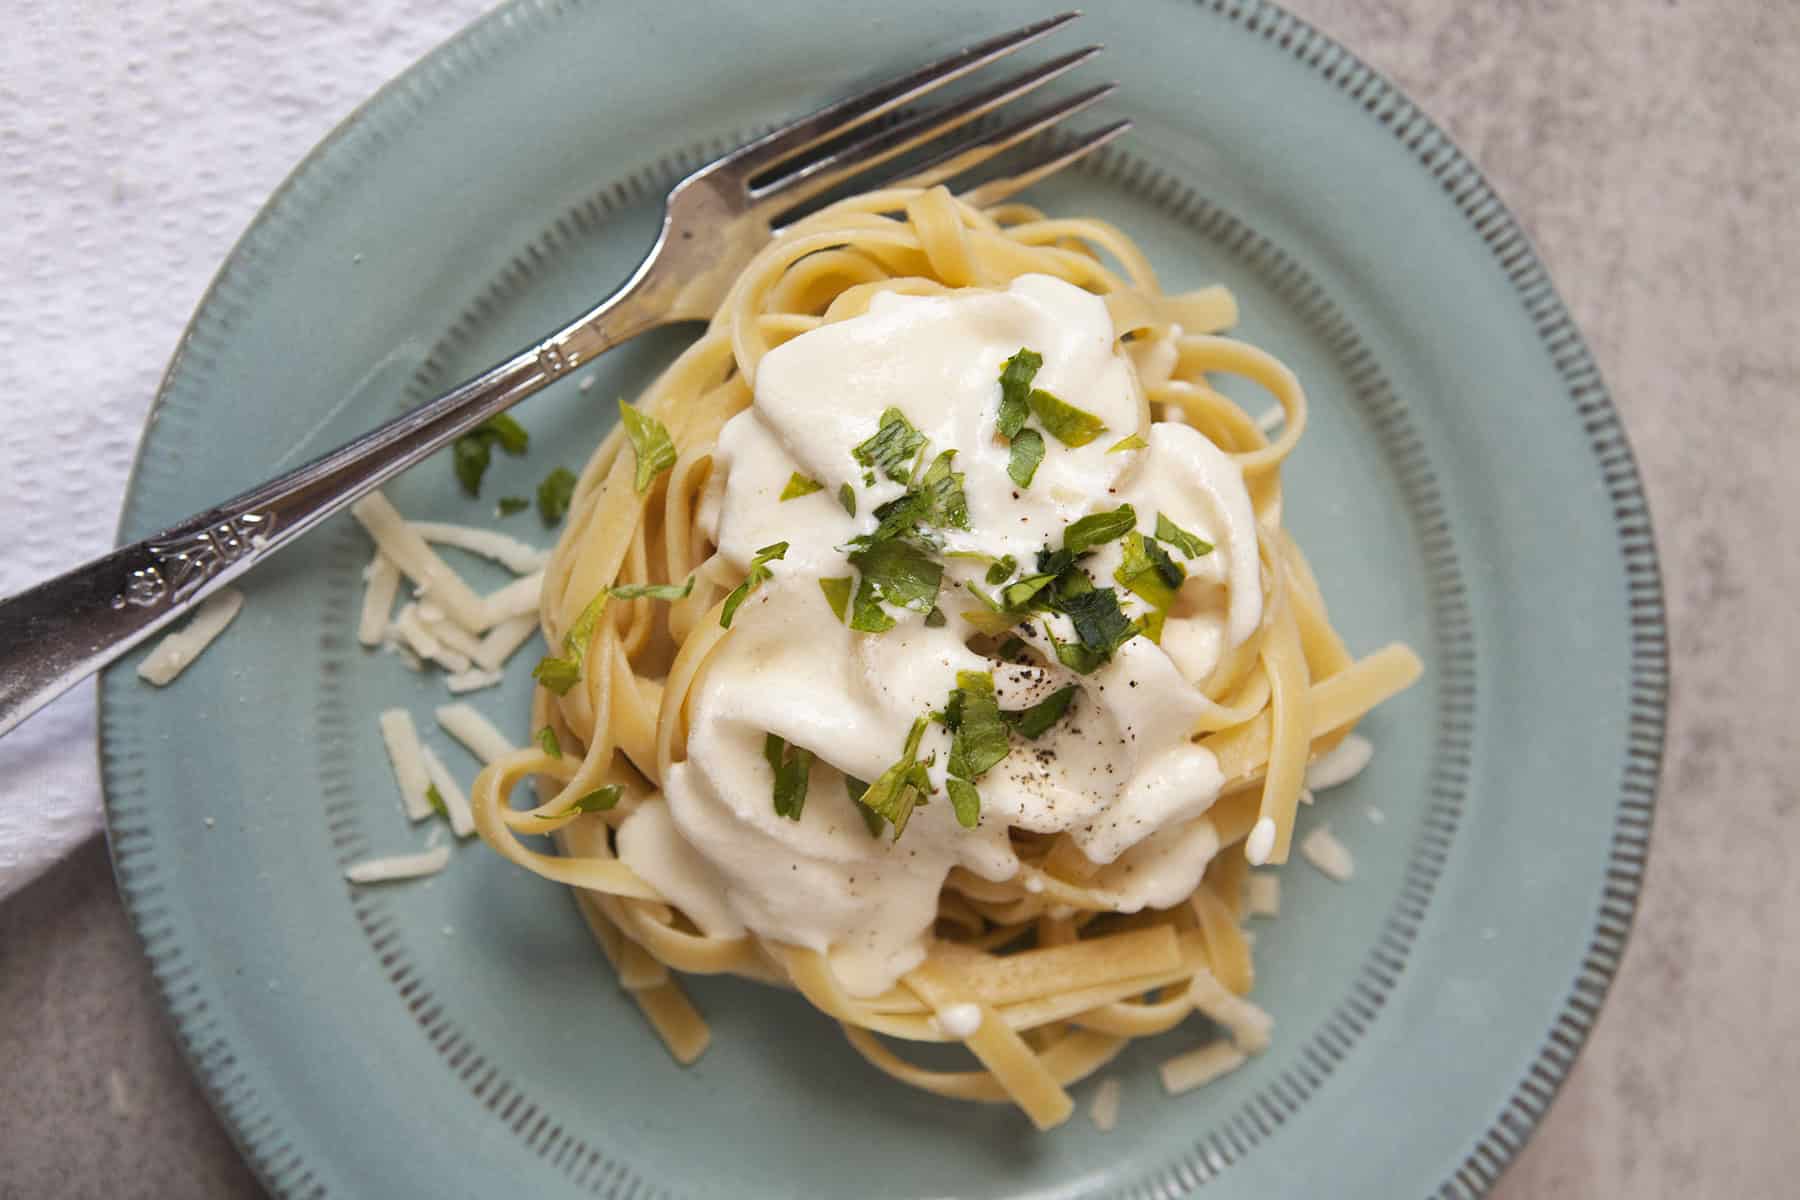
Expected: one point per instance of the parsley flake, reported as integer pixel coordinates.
(1063, 421)
(601, 799)
(1098, 529)
(903, 785)
(651, 442)
(965, 800)
(799, 485)
(847, 498)
(548, 742)
(837, 594)
(759, 574)
(1189, 545)
(793, 770)
(1015, 386)
(896, 571)
(1033, 722)
(554, 495)
(509, 505)
(973, 717)
(472, 452)
(892, 447)
(1133, 442)
(1027, 452)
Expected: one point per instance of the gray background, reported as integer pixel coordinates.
(1650, 147)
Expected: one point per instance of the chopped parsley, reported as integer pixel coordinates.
(1015, 388)
(965, 800)
(799, 485)
(557, 674)
(847, 498)
(1017, 597)
(937, 502)
(793, 769)
(601, 799)
(472, 452)
(650, 440)
(1000, 569)
(837, 594)
(935, 619)
(1034, 721)
(654, 591)
(904, 785)
(509, 505)
(759, 574)
(1150, 574)
(560, 673)
(892, 447)
(1063, 421)
(856, 789)
(896, 571)
(1098, 529)
(1097, 619)
(1133, 442)
(435, 798)
(470, 455)
(1189, 545)
(973, 717)
(547, 740)
(554, 495)
(1027, 452)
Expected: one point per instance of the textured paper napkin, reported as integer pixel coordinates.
(136, 142)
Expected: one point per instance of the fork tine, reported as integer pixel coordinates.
(1044, 165)
(833, 120)
(966, 155)
(877, 147)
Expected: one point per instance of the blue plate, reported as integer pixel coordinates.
(1465, 487)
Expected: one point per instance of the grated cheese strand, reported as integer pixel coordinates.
(178, 650)
(399, 866)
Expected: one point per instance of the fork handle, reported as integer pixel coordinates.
(57, 633)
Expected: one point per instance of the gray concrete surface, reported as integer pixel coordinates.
(1651, 148)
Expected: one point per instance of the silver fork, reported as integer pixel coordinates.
(59, 632)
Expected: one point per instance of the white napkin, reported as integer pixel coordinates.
(136, 142)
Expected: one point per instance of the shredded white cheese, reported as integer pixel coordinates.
(516, 599)
(399, 866)
(1265, 894)
(414, 633)
(1106, 1104)
(378, 599)
(456, 804)
(508, 551)
(1197, 1068)
(407, 550)
(177, 651)
(474, 731)
(1342, 763)
(472, 680)
(448, 632)
(1261, 842)
(504, 639)
(408, 758)
(1248, 1025)
(1329, 855)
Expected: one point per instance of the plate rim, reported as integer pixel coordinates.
(1646, 696)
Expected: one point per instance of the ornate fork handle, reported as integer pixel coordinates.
(57, 633)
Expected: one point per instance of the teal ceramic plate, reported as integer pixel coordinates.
(1465, 487)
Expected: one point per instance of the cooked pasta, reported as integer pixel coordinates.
(703, 691)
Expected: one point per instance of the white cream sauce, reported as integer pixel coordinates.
(1119, 772)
